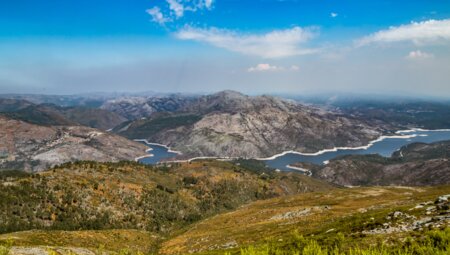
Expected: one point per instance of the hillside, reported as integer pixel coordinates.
(417, 164)
(126, 195)
(363, 217)
(53, 115)
(234, 125)
(31, 147)
(372, 220)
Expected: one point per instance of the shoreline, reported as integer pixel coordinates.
(303, 170)
(158, 144)
(364, 147)
(145, 156)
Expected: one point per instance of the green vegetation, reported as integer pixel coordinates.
(128, 195)
(150, 127)
(430, 242)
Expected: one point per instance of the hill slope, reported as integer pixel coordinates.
(51, 115)
(127, 195)
(417, 164)
(30, 147)
(342, 219)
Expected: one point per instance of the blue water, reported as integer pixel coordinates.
(384, 148)
(159, 153)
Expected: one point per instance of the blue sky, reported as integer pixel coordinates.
(260, 46)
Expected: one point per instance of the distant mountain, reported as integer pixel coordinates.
(134, 108)
(88, 100)
(400, 114)
(32, 147)
(417, 164)
(53, 115)
(231, 124)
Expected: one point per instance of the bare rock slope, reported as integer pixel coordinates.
(31, 147)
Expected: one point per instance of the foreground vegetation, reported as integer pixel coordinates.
(160, 200)
(429, 242)
(436, 242)
(210, 207)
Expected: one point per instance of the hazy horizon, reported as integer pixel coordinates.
(178, 46)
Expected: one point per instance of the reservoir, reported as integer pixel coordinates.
(384, 146)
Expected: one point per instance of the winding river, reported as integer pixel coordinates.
(385, 146)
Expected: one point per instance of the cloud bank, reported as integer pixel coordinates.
(274, 44)
(419, 33)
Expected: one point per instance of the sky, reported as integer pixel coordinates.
(253, 46)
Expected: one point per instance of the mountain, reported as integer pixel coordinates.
(230, 124)
(399, 114)
(32, 147)
(133, 108)
(417, 164)
(51, 115)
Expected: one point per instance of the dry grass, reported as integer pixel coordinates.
(307, 214)
(110, 240)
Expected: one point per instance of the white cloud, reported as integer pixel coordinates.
(176, 7)
(157, 15)
(208, 3)
(275, 44)
(333, 14)
(418, 54)
(264, 68)
(426, 32)
(271, 68)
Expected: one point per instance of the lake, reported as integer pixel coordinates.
(384, 147)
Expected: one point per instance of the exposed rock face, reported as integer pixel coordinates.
(30, 147)
(417, 165)
(235, 125)
(139, 107)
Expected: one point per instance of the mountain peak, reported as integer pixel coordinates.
(229, 94)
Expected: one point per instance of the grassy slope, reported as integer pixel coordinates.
(109, 240)
(333, 220)
(348, 211)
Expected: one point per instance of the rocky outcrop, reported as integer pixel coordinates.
(235, 125)
(30, 147)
